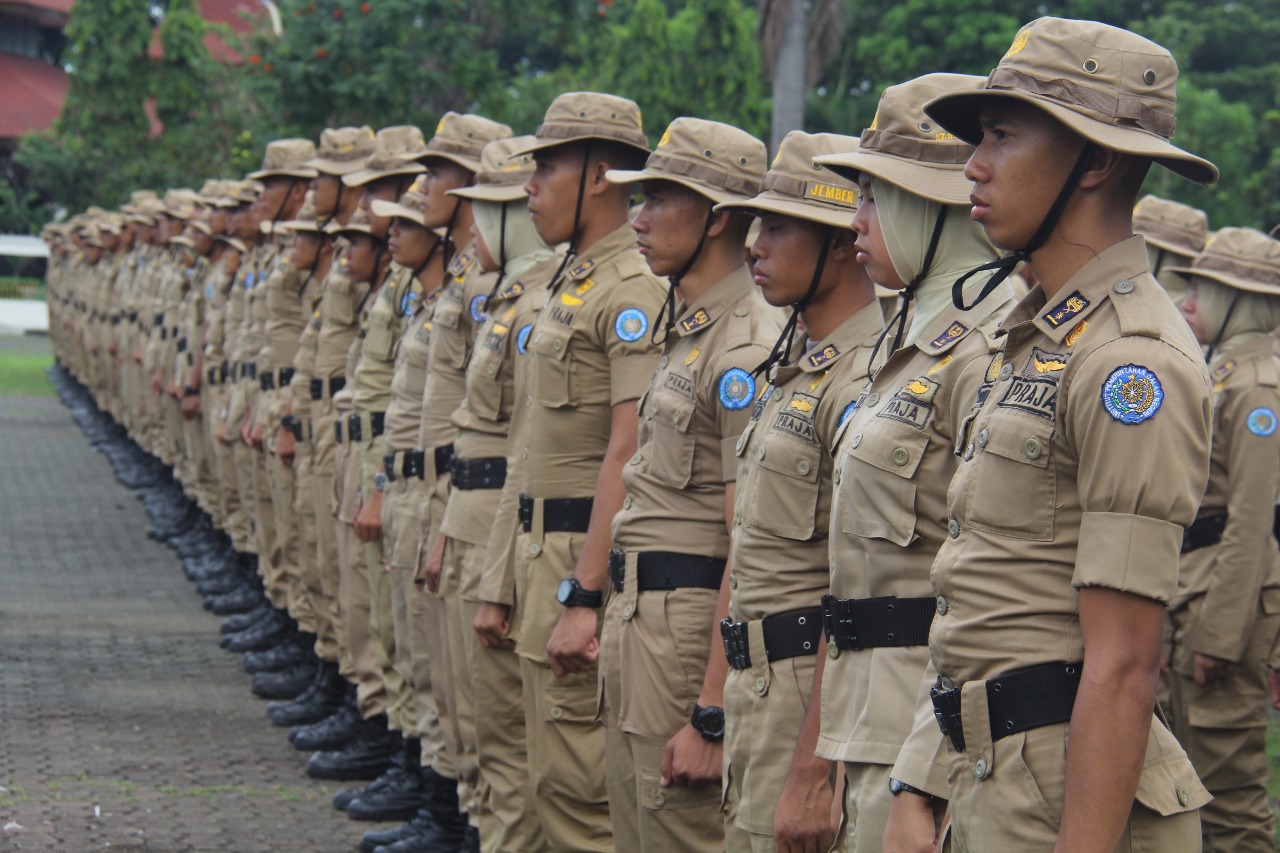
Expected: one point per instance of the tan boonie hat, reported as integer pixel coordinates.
(1171, 225)
(1243, 258)
(211, 192)
(245, 192)
(502, 172)
(306, 220)
(359, 224)
(343, 150)
(584, 116)
(904, 147)
(408, 207)
(394, 151)
(201, 226)
(461, 139)
(797, 186)
(286, 158)
(711, 158)
(1113, 87)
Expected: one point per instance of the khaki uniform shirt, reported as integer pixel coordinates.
(690, 418)
(1089, 455)
(893, 465)
(1231, 579)
(404, 412)
(590, 351)
(340, 305)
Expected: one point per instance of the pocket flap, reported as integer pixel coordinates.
(1021, 440)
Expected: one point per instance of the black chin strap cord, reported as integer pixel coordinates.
(1217, 339)
(502, 255)
(667, 316)
(1004, 266)
(781, 351)
(908, 293)
(577, 219)
(337, 205)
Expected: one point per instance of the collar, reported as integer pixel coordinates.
(1090, 287)
(859, 330)
(602, 251)
(718, 299)
(954, 325)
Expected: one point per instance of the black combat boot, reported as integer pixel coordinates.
(440, 826)
(334, 731)
(296, 648)
(396, 794)
(317, 702)
(366, 757)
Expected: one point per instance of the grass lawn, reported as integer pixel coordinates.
(23, 362)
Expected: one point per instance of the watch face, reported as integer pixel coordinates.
(564, 591)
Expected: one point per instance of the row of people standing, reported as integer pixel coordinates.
(562, 486)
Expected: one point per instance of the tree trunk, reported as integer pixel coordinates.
(789, 75)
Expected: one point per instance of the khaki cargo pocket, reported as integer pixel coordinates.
(486, 399)
(654, 797)
(340, 301)
(552, 372)
(1169, 784)
(881, 484)
(673, 442)
(1014, 486)
(380, 340)
(785, 501)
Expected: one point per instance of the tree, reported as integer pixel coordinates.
(798, 43)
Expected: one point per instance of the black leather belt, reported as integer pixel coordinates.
(666, 570)
(267, 381)
(337, 429)
(115, 319)
(225, 370)
(886, 621)
(786, 635)
(286, 376)
(249, 370)
(159, 320)
(182, 344)
(214, 375)
(293, 425)
(377, 423)
(1204, 532)
(414, 463)
(133, 316)
(164, 334)
(336, 384)
(487, 473)
(1016, 702)
(562, 515)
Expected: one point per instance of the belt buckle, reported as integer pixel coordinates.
(837, 621)
(415, 465)
(618, 569)
(737, 649)
(946, 710)
(526, 513)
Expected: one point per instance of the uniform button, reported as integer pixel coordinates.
(900, 456)
(984, 437)
(659, 799)
(662, 362)
(535, 549)
(675, 417)
(760, 684)
(1006, 371)
(626, 503)
(836, 477)
(857, 439)
(742, 442)
(1126, 286)
(872, 399)
(740, 311)
(557, 345)
(833, 651)
(733, 581)
(980, 769)
(557, 712)
(635, 460)
(491, 369)
(759, 453)
(628, 611)
(953, 528)
(463, 404)
(803, 467)
(1031, 447)
(1178, 789)
(968, 452)
(943, 606)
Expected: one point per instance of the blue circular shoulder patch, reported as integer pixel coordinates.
(1261, 421)
(737, 388)
(848, 412)
(1132, 394)
(631, 324)
(522, 338)
(406, 302)
(478, 304)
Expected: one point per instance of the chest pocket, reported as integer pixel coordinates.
(381, 339)
(880, 483)
(414, 366)
(449, 344)
(786, 496)
(552, 368)
(341, 302)
(1014, 490)
(673, 439)
(489, 395)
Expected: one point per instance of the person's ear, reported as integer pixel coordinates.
(842, 245)
(1105, 167)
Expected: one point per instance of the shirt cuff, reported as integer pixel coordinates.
(1129, 553)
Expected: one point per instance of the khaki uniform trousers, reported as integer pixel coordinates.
(282, 487)
(662, 641)
(1223, 728)
(464, 560)
(326, 583)
(369, 659)
(564, 735)
(200, 485)
(245, 460)
(383, 589)
(311, 598)
(764, 707)
(235, 522)
(1017, 806)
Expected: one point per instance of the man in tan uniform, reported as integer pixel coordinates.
(661, 676)
(587, 366)
(803, 258)
(1227, 610)
(1064, 520)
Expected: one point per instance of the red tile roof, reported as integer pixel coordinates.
(31, 94)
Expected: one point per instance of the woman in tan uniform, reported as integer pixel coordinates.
(895, 453)
(1227, 608)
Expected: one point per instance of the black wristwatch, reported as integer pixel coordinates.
(897, 787)
(571, 594)
(708, 722)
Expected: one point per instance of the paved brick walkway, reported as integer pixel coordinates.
(123, 726)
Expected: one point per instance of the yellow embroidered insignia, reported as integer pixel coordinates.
(817, 380)
(692, 356)
(571, 301)
(941, 363)
(699, 319)
(993, 369)
(801, 404)
(826, 354)
(955, 330)
(582, 268)
(1066, 309)
(584, 287)
(1074, 334)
